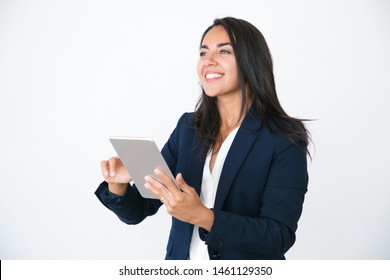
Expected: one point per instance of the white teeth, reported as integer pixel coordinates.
(213, 75)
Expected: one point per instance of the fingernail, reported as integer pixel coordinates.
(105, 173)
(112, 173)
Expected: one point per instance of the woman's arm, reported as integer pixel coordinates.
(131, 208)
(124, 199)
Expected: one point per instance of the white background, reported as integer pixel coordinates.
(74, 72)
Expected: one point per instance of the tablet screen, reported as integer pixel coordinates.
(140, 156)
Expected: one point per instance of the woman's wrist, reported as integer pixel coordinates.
(117, 189)
(206, 219)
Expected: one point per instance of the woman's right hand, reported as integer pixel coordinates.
(116, 175)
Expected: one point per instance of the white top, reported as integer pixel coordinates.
(198, 248)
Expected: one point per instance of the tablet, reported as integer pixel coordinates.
(140, 156)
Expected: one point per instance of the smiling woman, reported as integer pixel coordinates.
(217, 68)
(239, 159)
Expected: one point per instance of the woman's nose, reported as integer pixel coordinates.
(210, 60)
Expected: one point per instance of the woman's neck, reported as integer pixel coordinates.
(230, 113)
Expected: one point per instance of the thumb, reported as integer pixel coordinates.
(182, 184)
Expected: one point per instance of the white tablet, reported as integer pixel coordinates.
(140, 156)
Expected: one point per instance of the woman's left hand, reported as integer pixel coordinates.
(183, 204)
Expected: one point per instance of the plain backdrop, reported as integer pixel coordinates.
(74, 72)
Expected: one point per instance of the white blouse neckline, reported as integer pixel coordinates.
(210, 180)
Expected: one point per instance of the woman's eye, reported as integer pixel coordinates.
(224, 52)
(201, 54)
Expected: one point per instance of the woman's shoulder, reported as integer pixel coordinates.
(279, 137)
(186, 119)
(183, 134)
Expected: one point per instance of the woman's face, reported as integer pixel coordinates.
(217, 68)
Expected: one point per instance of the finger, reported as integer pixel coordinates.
(167, 181)
(112, 166)
(103, 166)
(157, 188)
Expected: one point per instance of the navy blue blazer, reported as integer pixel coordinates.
(259, 197)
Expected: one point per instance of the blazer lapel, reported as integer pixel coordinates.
(195, 166)
(238, 151)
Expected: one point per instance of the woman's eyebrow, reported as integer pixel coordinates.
(218, 45)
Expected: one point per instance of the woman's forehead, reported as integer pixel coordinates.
(216, 35)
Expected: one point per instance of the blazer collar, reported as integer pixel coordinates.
(251, 120)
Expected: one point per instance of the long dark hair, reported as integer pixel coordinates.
(255, 69)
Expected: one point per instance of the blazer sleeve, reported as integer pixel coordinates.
(131, 208)
(272, 233)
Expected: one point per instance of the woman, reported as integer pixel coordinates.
(240, 160)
